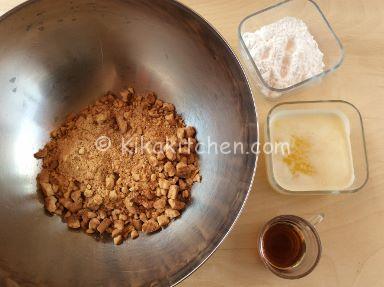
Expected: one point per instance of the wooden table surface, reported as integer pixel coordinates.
(353, 230)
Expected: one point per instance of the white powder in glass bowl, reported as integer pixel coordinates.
(285, 52)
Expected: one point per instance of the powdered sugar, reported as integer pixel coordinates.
(285, 52)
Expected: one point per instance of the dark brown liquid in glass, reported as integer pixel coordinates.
(283, 245)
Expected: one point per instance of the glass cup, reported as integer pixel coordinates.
(310, 244)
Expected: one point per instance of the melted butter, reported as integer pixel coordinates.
(319, 155)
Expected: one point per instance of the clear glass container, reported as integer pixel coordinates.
(356, 137)
(319, 27)
(311, 241)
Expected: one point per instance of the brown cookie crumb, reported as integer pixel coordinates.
(121, 166)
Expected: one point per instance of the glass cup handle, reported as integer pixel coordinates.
(316, 219)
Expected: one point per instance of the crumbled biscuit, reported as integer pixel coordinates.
(163, 220)
(190, 132)
(176, 204)
(150, 226)
(134, 234)
(180, 133)
(73, 222)
(164, 184)
(50, 203)
(182, 169)
(169, 169)
(172, 213)
(115, 193)
(160, 203)
(172, 192)
(93, 223)
(104, 225)
(118, 240)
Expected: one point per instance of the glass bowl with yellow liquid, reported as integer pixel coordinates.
(317, 147)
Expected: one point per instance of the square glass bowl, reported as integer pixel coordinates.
(319, 27)
(355, 130)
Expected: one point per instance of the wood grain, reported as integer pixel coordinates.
(352, 233)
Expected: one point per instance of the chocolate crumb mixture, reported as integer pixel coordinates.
(121, 166)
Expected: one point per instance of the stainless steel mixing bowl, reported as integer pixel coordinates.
(56, 57)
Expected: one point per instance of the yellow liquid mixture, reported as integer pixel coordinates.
(312, 150)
